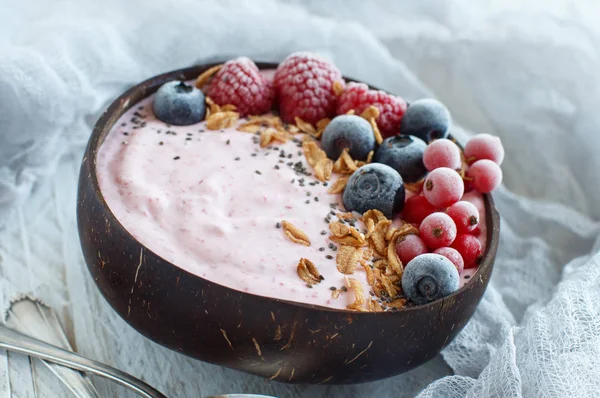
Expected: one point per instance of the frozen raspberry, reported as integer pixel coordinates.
(409, 247)
(443, 187)
(359, 97)
(437, 230)
(442, 153)
(485, 146)
(304, 85)
(239, 82)
(416, 209)
(485, 174)
(452, 255)
(469, 248)
(465, 216)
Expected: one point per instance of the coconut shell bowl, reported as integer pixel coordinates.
(276, 339)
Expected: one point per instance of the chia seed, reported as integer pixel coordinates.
(237, 158)
(467, 276)
(307, 201)
(321, 249)
(316, 198)
(308, 285)
(333, 288)
(125, 133)
(323, 232)
(307, 193)
(331, 245)
(258, 172)
(329, 257)
(344, 289)
(161, 143)
(176, 158)
(228, 142)
(276, 167)
(254, 154)
(188, 139)
(278, 225)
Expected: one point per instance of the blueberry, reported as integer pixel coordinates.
(375, 186)
(404, 153)
(179, 104)
(348, 131)
(429, 277)
(427, 119)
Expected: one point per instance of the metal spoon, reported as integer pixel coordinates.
(12, 340)
(15, 341)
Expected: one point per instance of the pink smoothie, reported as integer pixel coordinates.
(210, 203)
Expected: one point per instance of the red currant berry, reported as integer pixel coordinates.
(443, 187)
(409, 247)
(416, 208)
(452, 255)
(442, 153)
(465, 216)
(485, 146)
(437, 230)
(485, 174)
(469, 248)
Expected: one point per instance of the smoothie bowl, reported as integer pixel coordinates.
(326, 239)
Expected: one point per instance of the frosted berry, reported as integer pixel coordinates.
(442, 153)
(304, 85)
(239, 82)
(452, 255)
(409, 247)
(359, 97)
(469, 248)
(375, 186)
(179, 104)
(465, 216)
(485, 174)
(348, 131)
(485, 146)
(427, 119)
(403, 153)
(443, 187)
(437, 230)
(429, 277)
(416, 209)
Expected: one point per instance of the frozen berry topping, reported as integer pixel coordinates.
(437, 230)
(416, 209)
(409, 247)
(304, 84)
(179, 104)
(427, 119)
(469, 248)
(484, 146)
(465, 216)
(485, 175)
(404, 153)
(452, 255)
(429, 277)
(443, 187)
(375, 186)
(348, 131)
(442, 153)
(239, 83)
(358, 97)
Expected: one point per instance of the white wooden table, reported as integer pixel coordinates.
(40, 256)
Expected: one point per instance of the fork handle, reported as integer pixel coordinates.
(12, 340)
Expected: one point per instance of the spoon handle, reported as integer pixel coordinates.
(12, 340)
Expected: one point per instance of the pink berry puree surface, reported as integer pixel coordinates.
(210, 202)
